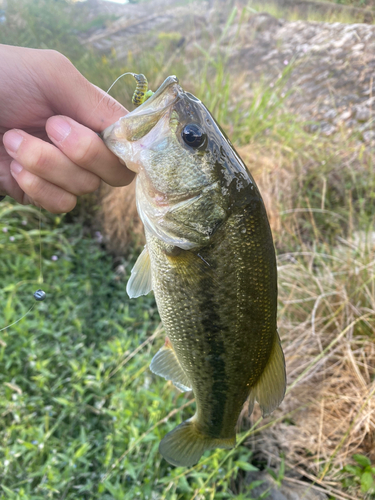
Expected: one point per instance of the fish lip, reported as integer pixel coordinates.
(147, 107)
(168, 82)
(192, 97)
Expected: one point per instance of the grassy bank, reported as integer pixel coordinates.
(82, 415)
(78, 402)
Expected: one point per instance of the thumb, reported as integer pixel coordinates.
(74, 96)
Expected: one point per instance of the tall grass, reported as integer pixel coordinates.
(81, 414)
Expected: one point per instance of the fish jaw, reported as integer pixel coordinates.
(127, 137)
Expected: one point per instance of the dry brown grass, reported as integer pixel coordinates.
(327, 325)
(272, 176)
(326, 318)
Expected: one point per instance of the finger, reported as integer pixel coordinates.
(39, 191)
(87, 104)
(8, 185)
(87, 150)
(46, 161)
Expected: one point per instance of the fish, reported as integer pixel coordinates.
(210, 260)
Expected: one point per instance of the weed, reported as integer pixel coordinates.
(81, 412)
(363, 474)
(279, 476)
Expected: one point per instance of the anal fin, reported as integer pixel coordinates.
(140, 282)
(165, 364)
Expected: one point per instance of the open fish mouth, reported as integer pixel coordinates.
(161, 92)
(141, 120)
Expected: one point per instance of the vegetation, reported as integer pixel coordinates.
(357, 3)
(81, 414)
(362, 473)
(78, 402)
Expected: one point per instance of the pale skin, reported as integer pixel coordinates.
(50, 115)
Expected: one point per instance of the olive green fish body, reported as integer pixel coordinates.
(218, 307)
(210, 261)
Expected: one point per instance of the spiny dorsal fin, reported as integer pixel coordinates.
(269, 391)
(165, 364)
(140, 282)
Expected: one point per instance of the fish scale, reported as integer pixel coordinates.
(235, 332)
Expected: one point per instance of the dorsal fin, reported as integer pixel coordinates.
(165, 364)
(140, 282)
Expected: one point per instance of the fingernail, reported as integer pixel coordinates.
(12, 141)
(59, 129)
(15, 168)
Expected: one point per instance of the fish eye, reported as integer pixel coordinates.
(193, 135)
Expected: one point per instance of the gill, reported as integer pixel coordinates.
(141, 94)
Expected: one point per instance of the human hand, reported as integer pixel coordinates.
(49, 153)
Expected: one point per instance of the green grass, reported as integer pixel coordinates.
(81, 414)
(73, 397)
(356, 3)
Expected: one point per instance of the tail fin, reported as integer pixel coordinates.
(185, 445)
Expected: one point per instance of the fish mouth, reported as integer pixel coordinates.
(141, 120)
(165, 87)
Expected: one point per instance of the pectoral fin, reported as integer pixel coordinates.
(166, 365)
(140, 282)
(192, 266)
(269, 390)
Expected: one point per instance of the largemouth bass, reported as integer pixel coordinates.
(210, 260)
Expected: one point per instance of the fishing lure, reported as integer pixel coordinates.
(141, 93)
(39, 295)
